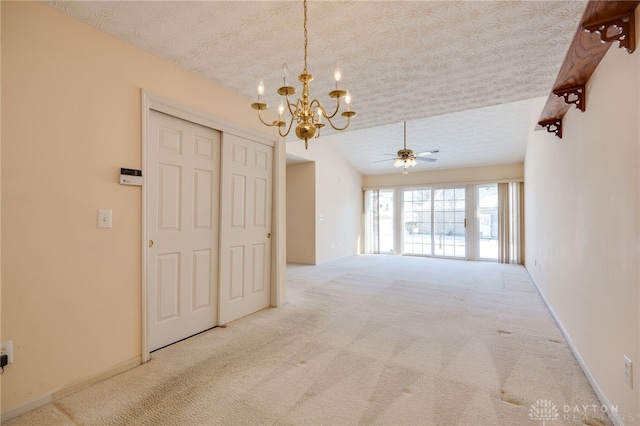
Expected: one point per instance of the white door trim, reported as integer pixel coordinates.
(158, 103)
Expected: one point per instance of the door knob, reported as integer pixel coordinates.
(269, 235)
(150, 243)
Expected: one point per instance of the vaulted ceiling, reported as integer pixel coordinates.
(461, 73)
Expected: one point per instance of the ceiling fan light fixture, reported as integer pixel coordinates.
(406, 158)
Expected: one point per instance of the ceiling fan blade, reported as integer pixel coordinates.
(425, 153)
(427, 159)
(386, 159)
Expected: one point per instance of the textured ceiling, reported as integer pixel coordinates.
(459, 72)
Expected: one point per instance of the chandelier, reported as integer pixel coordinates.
(306, 113)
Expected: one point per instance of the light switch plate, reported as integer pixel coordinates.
(104, 219)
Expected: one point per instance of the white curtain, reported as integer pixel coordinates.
(510, 219)
(372, 209)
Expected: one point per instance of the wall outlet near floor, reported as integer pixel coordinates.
(6, 348)
(628, 371)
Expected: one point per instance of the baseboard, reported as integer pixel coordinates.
(68, 390)
(611, 411)
(344, 256)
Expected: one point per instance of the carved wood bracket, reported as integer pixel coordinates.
(602, 23)
(553, 126)
(619, 28)
(572, 96)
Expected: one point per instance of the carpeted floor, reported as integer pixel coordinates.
(365, 340)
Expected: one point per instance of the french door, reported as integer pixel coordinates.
(434, 222)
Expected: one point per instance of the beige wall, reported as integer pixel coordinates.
(582, 219)
(448, 176)
(301, 213)
(71, 293)
(1, 339)
(339, 206)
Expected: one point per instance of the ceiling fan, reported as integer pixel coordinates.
(406, 158)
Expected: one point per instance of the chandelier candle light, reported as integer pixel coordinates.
(307, 114)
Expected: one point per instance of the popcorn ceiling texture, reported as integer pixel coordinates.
(401, 60)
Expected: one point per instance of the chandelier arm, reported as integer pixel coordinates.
(299, 107)
(289, 105)
(264, 122)
(339, 128)
(329, 117)
(317, 105)
(285, 134)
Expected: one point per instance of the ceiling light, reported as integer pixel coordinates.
(306, 113)
(406, 158)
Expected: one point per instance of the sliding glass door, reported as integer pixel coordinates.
(434, 222)
(476, 222)
(417, 224)
(450, 222)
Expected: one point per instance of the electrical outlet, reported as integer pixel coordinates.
(628, 371)
(6, 348)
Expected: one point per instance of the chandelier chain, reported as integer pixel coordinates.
(305, 36)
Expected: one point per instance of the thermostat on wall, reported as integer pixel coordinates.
(130, 177)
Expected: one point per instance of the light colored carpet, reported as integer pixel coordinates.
(365, 340)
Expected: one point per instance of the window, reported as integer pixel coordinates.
(450, 222)
(445, 222)
(379, 221)
(434, 222)
(416, 227)
(487, 216)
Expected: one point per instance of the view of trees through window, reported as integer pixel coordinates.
(455, 222)
(417, 221)
(434, 221)
(488, 221)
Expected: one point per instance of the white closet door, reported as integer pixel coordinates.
(183, 172)
(245, 248)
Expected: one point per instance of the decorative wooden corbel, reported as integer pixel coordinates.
(572, 95)
(620, 28)
(553, 125)
(602, 23)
